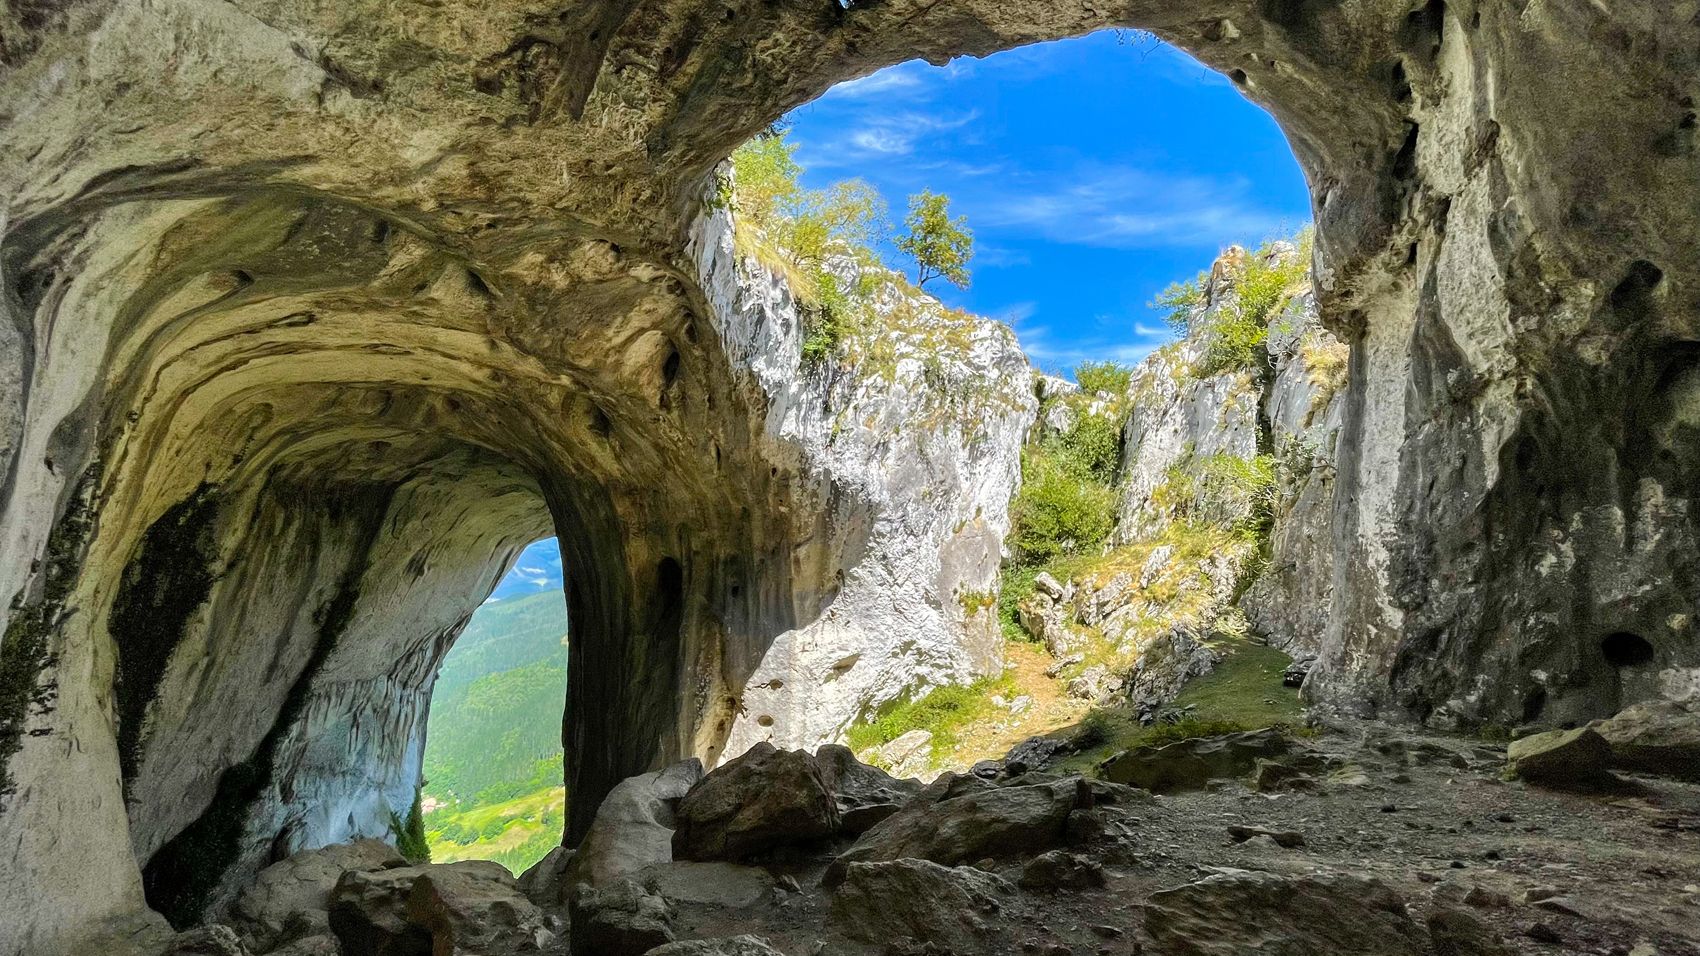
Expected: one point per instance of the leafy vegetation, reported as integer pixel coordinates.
(941, 246)
(409, 834)
(1238, 329)
(799, 233)
(1112, 378)
(1179, 299)
(942, 711)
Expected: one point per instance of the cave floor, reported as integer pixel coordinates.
(1619, 871)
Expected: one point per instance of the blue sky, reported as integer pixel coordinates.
(537, 569)
(1093, 172)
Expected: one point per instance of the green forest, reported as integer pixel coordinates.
(493, 742)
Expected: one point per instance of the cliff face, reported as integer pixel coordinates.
(312, 313)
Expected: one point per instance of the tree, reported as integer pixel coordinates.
(941, 246)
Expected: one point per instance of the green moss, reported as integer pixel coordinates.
(1244, 692)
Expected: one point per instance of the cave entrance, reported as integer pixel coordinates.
(1624, 649)
(493, 765)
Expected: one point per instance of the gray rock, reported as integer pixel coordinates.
(724, 946)
(1561, 758)
(910, 754)
(1257, 913)
(864, 794)
(620, 919)
(1191, 764)
(960, 819)
(1655, 737)
(633, 827)
(764, 799)
(894, 902)
(1061, 869)
(470, 908)
(1033, 754)
(546, 881)
(291, 898)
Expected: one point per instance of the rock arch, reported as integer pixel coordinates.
(316, 309)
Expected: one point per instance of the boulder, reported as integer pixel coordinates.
(907, 755)
(475, 908)
(206, 941)
(620, 919)
(899, 903)
(1561, 758)
(1262, 914)
(764, 799)
(1657, 737)
(864, 795)
(1095, 683)
(1191, 764)
(724, 946)
(1061, 869)
(290, 899)
(546, 881)
(633, 827)
(1031, 754)
(964, 819)
(470, 908)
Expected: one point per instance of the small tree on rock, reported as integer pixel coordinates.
(941, 246)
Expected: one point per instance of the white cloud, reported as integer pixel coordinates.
(903, 78)
(1124, 207)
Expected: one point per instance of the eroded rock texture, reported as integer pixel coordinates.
(314, 313)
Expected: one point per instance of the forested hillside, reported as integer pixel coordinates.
(493, 744)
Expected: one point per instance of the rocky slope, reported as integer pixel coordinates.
(1365, 840)
(313, 313)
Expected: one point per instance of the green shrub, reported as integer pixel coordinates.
(1111, 377)
(409, 834)
(1059, 511)
(1092, 448)
(1239, 330)
(1179, 300)
(1230, 483)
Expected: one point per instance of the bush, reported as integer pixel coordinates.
(1111, 377)
(1092, 448)
(409, 834)
(1239, 329)
(1179, 300)
(1059, 511)
(795, 231)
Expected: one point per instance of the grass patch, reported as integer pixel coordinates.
(943, 711)
(1244, 692)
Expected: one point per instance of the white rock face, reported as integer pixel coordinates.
(913, 451)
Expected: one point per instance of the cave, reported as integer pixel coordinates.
(1623, 649)
(307, 334)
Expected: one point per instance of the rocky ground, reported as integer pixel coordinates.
(1362, 839)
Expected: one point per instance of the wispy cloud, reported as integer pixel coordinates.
(1126, 208)
(903, 79)
(1059, 355)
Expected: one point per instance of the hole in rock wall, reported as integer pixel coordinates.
(493, 757)
(1623, 649)
(1094, 175)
